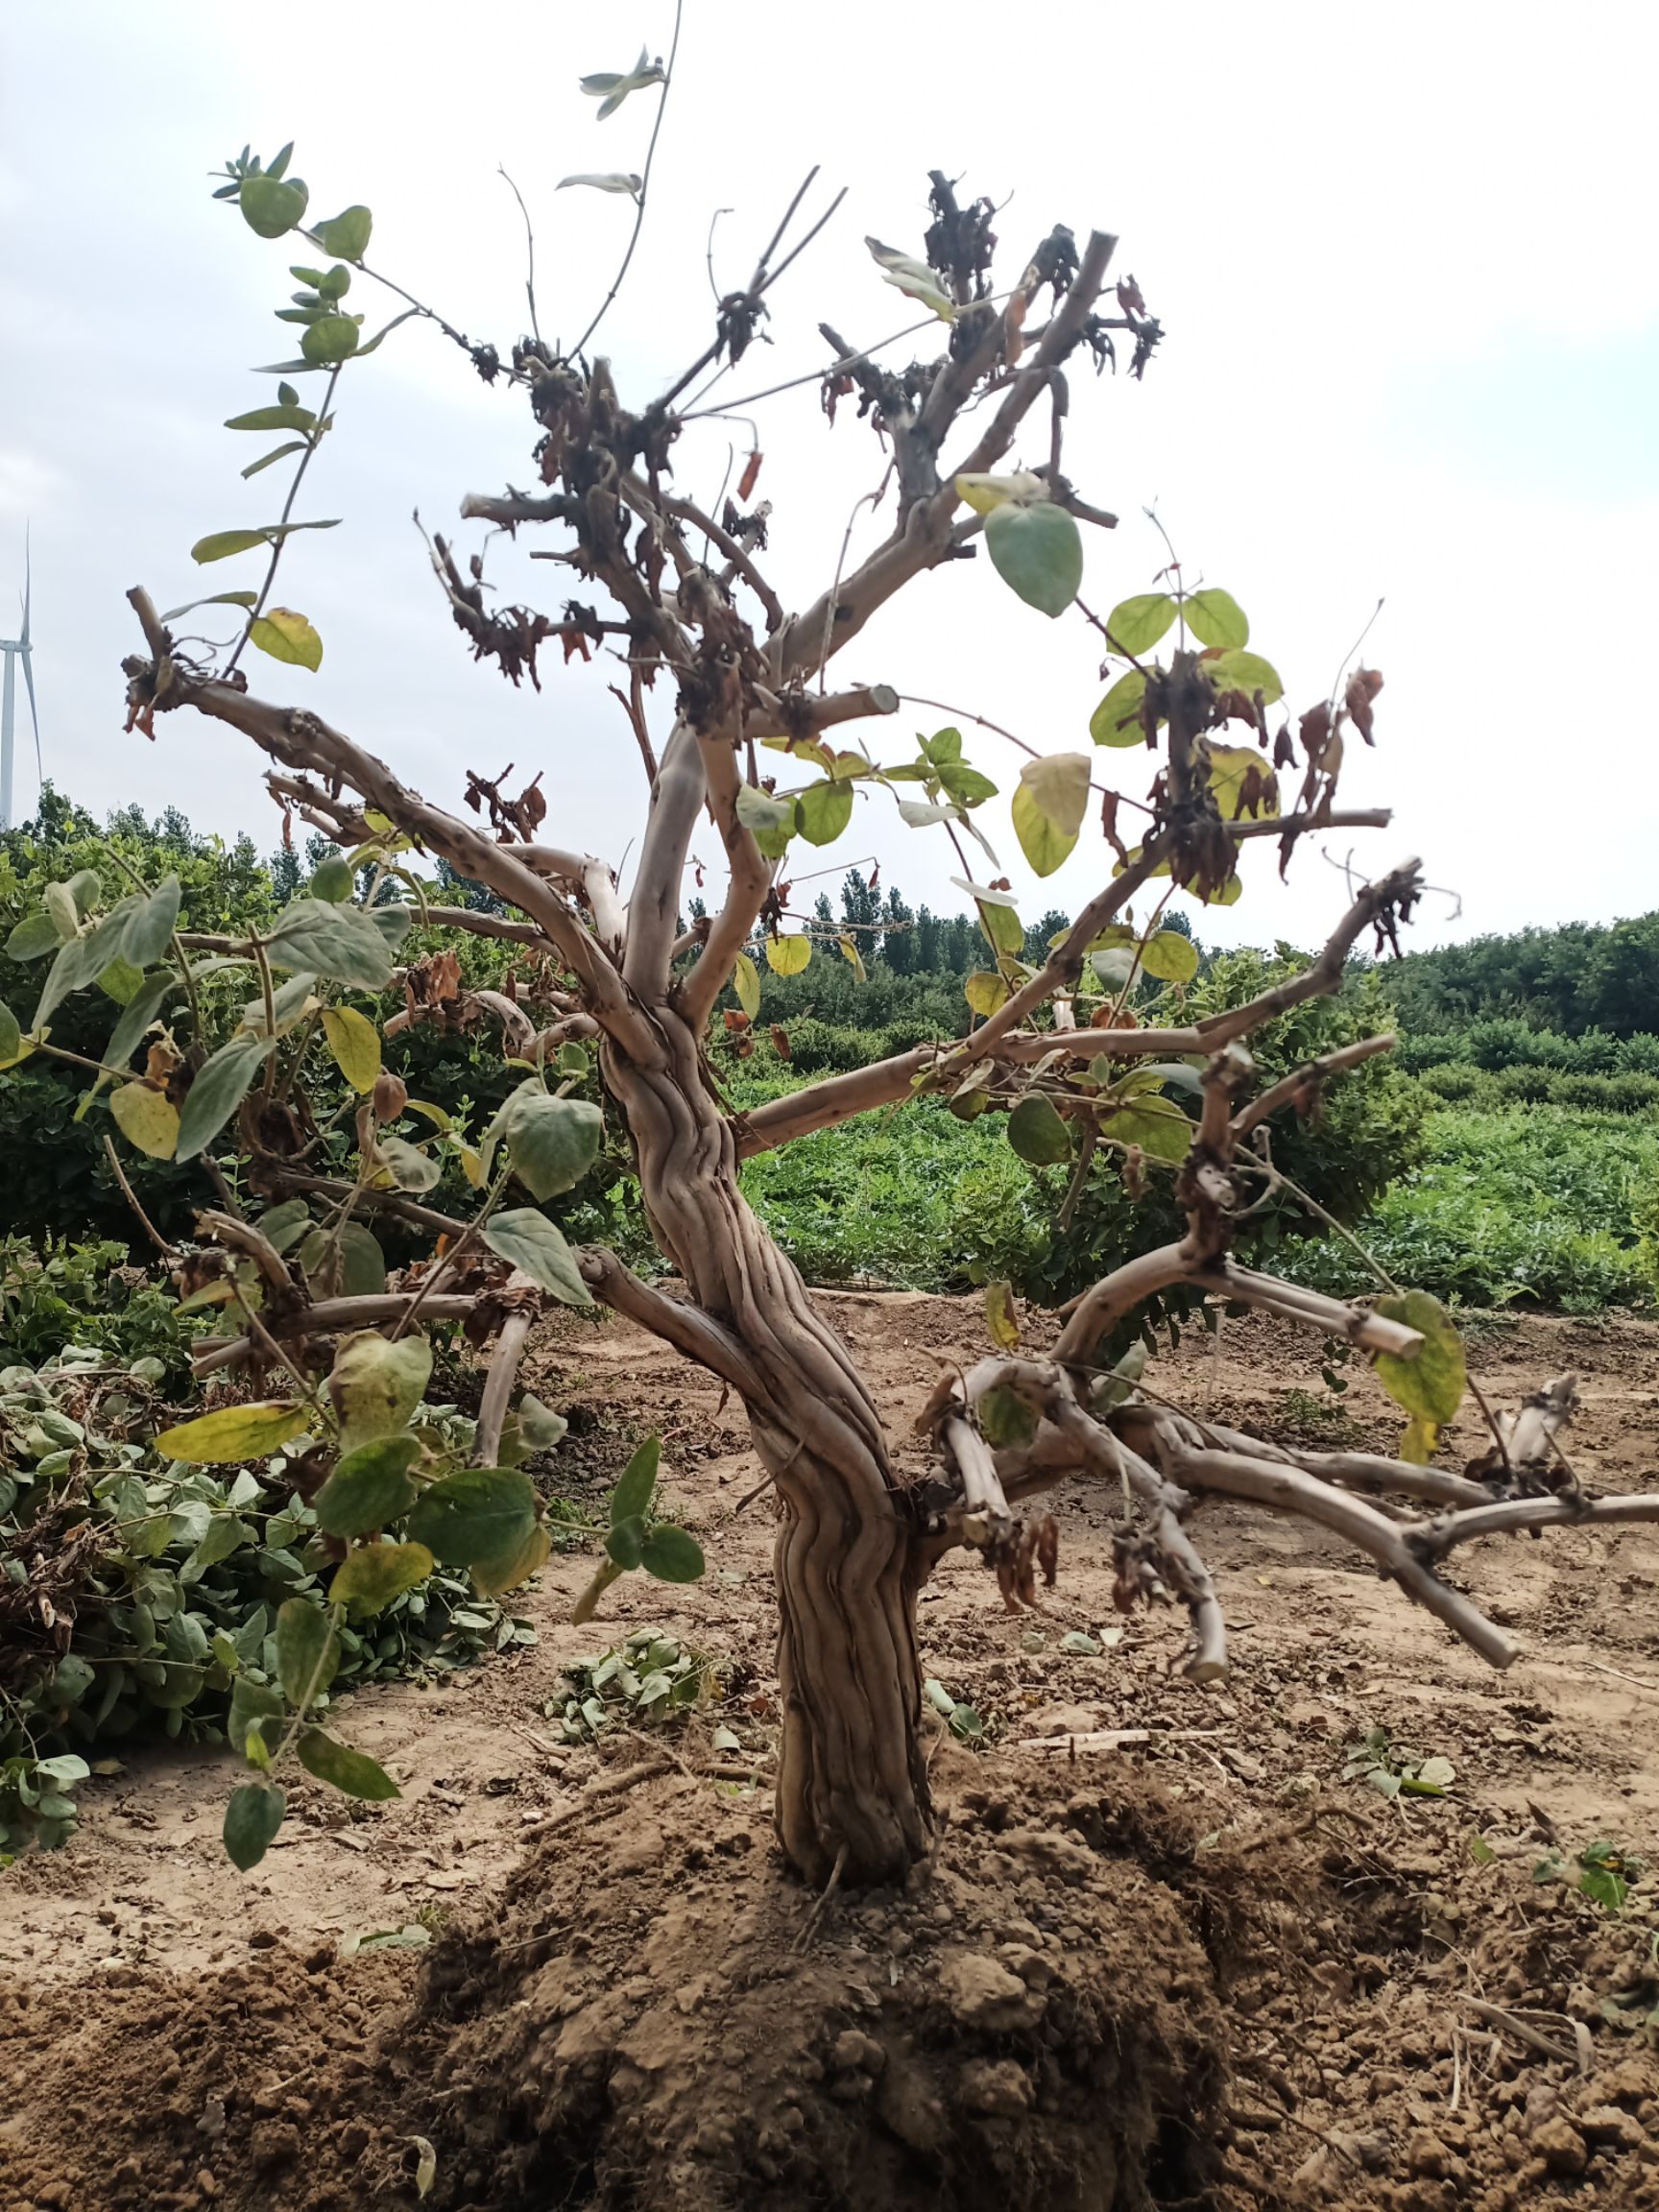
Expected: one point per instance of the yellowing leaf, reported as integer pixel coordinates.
(985, 992)
(1049, 806)
(1171, 957)
(914, 278)
(1430, 1387)
(789, 955)
(1000, 1317)
(287, 637)
(854, 958)
(1245, 672)
(985, 494)
(1117, 720)
(146, 1118)
(233, 1434)
(823, 810)
(746, 982)
(1243, 781)
(356, 1044)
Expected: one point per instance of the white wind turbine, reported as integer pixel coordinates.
(15, 649)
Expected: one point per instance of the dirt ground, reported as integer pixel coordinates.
(1196, 1967)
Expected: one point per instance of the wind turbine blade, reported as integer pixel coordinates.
(34, 716)
(28, 580)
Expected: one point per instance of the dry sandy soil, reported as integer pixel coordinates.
(1197, 1969)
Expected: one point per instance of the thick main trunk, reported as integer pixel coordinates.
(852, 1785)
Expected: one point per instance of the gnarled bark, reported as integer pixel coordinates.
(852, 1785)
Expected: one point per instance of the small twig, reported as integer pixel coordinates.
(530, 244)
(127, 1192)
(1517, 2028)
(823, 1898)
(645, 186)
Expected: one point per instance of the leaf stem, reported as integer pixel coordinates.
(314, 437)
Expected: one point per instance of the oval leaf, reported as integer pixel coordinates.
(1216, 618)
(789, 955)
(374, 1386)
(1048, 805)
(251, 1819)
(746, 982)
(150, 926)
(1038, 552)
(672, 1555)
(637, 1482)
(373, 1574)
(1171, 957)
(533, 1245)
(551, 1141)
(220, 1086)
(233, 1434)
(1117, 720)
(1245, 672)
(346, 237)
(145, 1116)
(307, 1651)
(475, 1516)
(1038, 1134)
(370, 1488)
(286, 635)
(352, 1771)
(340, 942)
(1430, 1385)
(823, 810)
(1136, 625)
(328, 341)
(985, 992)
(272, 206)
(356, 1044)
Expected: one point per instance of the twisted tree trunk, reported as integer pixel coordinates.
(852, 1785)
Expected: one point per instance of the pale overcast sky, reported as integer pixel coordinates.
(1404, 258)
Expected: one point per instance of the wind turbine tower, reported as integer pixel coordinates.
(15, 649)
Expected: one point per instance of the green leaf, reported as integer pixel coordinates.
(233, 1434)
(540, 1425)
(374, 1386)
(285, 1224)
(1136, 625)
(638, 1480)
(1048, 805)
(271, 206)
(251, 1819)
(1005, 1418)
(137, 1017)
(83, 959)
(552, 1143)
(283, 418)
(1003, 928)
(356, 1044)
(332, 880)
(215, 599)
(286, 635)
(789, 955)
(965, 784)
(1430, 1387)
(1170, 957)
(985, 991)
(1038, 552)
(1157, 1125)
(530, 1242)
(34, 937)
(346, 236)
(362, 1263)
(120, 980)
(151, 924)
(373, 1574)
(671, 1554)
(625, 1541)
(746, 982)
(770, 821)
(943, 748)
(411, 1169)
(823, 811)
(145, 1116)
(307, 1651)
(369, 1487)
(258, 467)
(1037, 1132)
(1245, 672)
(220, 545)
(1216, 618)
(476, 1517)
(352, 1771)
(220, 1086)
(330, 339)
(10, 1034)
(340, 942)
(250, 1704)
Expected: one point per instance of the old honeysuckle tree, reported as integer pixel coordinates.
(725, 697)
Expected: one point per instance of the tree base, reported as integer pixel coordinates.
(1032, 2023)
